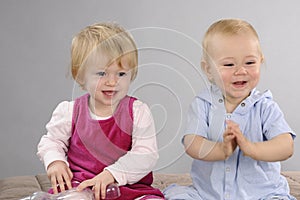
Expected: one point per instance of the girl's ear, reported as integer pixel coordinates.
(80, 80)
(207, 70)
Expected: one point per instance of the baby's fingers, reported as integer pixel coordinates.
(84, 185)
(103, 190)
(54, 184)
(97, 192)
(61, 183)
(228, 137)
(68, 181)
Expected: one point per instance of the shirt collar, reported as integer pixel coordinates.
(214, 96)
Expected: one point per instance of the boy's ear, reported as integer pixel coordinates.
(207, 70)
(262, 59)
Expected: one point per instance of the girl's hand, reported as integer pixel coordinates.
(59, 174)
(98, 183)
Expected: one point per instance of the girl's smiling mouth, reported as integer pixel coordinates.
(109, 92)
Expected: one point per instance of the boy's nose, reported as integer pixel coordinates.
(240, 70)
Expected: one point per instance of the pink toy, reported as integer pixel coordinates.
(112, 191)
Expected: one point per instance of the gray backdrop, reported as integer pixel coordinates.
(35, 40)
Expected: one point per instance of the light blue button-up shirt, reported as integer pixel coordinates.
(238, 177)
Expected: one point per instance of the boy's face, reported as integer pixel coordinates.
(235, 65)
(106, 83)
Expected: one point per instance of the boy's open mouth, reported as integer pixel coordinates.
(239, 83)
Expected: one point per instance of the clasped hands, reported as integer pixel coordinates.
(233, 137)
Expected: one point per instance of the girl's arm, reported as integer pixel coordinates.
(53, 146)
(142, 157)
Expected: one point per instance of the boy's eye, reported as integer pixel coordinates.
(101, 73)
(121, 74)
(250, 63)
(228, 65)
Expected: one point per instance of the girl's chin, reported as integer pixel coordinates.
(108, 99)
(111, 100)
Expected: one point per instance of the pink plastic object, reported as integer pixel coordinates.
(112, 191)
(72, 194)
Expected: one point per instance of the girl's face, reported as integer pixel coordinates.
(106, 84)
(234, 66)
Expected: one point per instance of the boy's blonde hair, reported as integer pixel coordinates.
(227, 27)
(108, 38)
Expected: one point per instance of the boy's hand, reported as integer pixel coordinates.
(98, 183)
(244, 144)
(229, 142)
(59, 174)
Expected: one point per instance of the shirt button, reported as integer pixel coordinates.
(227, 169)
(220, 100)
(228, 116)
(227, 196)
(243, 104)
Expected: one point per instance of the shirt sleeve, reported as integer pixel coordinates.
(273, 121)
(54, 145)
(197, 118)
(142, 157)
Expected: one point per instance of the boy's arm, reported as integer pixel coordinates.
(279, 148)
(201, 148)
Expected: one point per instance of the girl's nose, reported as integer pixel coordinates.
(111, 80)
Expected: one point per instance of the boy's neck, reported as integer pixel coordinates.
(231, 105)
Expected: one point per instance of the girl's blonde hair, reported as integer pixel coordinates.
(227, 27)
(108, 38)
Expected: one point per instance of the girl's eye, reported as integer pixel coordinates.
(101, 73)
(121, 74)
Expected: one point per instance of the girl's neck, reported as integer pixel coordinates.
(102, 110)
